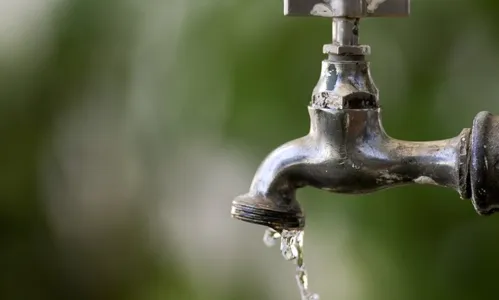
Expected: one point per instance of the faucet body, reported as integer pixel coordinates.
(347, 150)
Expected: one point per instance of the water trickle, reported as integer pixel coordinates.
(292, 249)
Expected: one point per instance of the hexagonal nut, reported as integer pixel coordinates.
(353, 100)
(343, 50)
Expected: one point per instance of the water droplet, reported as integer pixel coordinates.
(270, 237)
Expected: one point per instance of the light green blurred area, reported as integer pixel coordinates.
(127, 128)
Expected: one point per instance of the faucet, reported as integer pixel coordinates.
(347, 150)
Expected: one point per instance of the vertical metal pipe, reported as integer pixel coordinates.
(345, 32)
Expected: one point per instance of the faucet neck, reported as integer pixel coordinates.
(345, 39)
(345, 83)
(345, 126)
(345, 31)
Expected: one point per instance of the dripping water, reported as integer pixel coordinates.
(292, 250)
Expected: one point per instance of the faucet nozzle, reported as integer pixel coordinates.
(263, 211)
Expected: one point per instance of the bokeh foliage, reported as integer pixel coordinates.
(435, 71)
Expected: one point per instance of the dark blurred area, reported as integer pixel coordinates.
(129, 126)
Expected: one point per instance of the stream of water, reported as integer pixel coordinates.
(292, 250)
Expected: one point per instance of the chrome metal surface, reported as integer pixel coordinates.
(345, 38)
(345, 82)
(347, 151)
(345, 31)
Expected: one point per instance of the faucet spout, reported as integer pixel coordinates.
(347, 151)
(271, 200)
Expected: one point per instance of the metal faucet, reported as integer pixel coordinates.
(347, 149)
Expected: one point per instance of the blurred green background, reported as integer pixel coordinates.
(127, 127)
